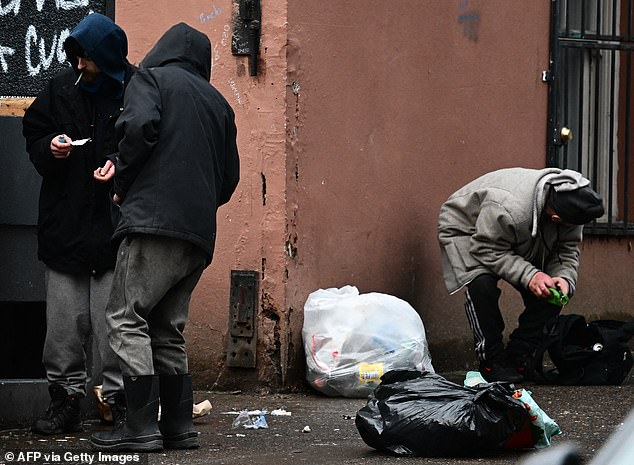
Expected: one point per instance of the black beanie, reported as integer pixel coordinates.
(577, 207)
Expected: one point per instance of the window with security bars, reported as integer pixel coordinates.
(591, 102)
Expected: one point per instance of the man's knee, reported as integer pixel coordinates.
(485, 285)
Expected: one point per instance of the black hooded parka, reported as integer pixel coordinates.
(178, 159)
(75, 222)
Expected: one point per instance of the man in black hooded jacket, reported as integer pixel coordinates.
(178, 162)
(75, 216)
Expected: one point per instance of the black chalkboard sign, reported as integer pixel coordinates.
(32, 33)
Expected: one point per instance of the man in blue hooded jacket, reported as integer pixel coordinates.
(75, 221)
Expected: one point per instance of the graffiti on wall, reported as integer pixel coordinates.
(469, 19)
(207, 16)
(211, 18)
(32, 34)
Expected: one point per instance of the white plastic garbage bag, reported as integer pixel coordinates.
(351, 339)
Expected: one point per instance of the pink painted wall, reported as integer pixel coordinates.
(396, 105)
(364, 118)
(251, 226)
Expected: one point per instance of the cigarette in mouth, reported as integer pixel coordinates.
(79, 78)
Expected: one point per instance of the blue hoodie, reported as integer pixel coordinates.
(98, 37)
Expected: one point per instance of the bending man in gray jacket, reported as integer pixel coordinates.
(523, 226)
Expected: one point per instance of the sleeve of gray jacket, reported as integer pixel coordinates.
(138, 126)
(493, 243)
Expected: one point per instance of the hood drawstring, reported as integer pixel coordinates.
(550, 250)
(557, 245)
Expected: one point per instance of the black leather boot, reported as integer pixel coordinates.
(139, 432)
(62, 416)
(177, 404)
(118, 409)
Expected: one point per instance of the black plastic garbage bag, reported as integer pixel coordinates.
(423, 414)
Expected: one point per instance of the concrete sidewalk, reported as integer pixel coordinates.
(586, 415)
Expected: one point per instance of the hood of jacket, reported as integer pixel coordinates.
(182, 45)
(103, 41)
(559, 180)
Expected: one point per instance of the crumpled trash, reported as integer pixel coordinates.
(280, 412)
(543, 428)
(246, 419)
(422, 414)
(201, 409)
(105, 413)
(351, 339)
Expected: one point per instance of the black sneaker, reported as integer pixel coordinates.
(62, 416)
(523, 365)
(500, 370)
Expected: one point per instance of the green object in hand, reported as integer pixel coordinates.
(557, 297)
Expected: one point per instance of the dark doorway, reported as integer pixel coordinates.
(22, 339)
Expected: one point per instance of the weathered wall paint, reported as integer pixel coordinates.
(395, 106)
(251, 226)
(363, 120)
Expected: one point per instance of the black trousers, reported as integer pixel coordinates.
(485, 318)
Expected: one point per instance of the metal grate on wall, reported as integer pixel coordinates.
(591, 102)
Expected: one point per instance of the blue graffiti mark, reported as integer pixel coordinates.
(470, 22)
(469, 18)
(205, 17)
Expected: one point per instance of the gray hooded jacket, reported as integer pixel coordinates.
(494, 225)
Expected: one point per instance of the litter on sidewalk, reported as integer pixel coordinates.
(105, 414)
(201, 409)
(250, 421)
(543, 428)
(281, 412)
(351, 339)
(275, 413)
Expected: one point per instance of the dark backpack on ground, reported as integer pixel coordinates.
(585, 353)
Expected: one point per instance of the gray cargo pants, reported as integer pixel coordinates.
(75, 308)
(149, 303)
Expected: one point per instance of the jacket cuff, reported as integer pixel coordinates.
(571, 287)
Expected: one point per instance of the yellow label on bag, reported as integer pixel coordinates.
(370, 372)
